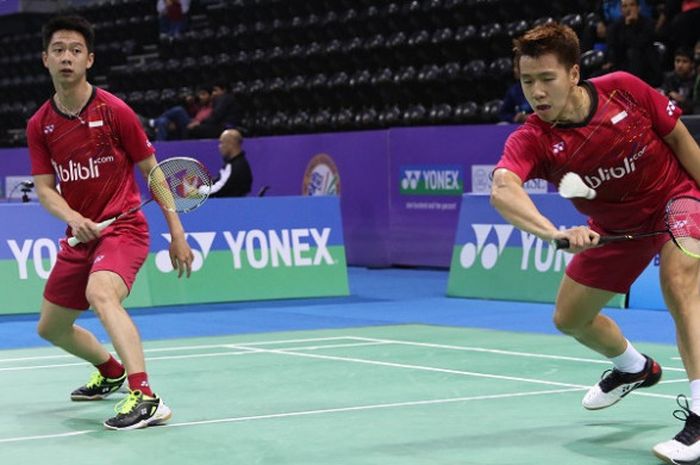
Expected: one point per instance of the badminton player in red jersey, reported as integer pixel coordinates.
(626, 141)
(87, 141)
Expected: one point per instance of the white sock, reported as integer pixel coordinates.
(695, 396)
(631, 361)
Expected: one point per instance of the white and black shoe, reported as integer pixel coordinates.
(615, 384)
(684, 448)
(139, 411)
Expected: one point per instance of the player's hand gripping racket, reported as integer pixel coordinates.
(174, 184)
(682, 223)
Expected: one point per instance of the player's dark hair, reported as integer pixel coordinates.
(69, 23)
(549, 38)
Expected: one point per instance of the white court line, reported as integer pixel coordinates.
(196, 347)
(306, 413)
(503, 352)
(433, 369)
(228, 353)
(47, 436)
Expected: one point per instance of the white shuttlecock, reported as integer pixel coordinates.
(571, 185)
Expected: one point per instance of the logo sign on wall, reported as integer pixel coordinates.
(482, 178)
(276, 247)
(431, 180)
(493, 260)
(321, 176)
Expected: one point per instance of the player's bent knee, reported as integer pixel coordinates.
(565, 324)
(47, 332)
(100, 299)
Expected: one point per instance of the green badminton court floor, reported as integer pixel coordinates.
(385, 395)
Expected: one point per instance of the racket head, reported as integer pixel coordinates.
(683, 223)
(179, 184)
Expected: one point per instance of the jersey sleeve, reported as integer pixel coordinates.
(663, 112)
(133, 137)
(39, 154)
(520, 155)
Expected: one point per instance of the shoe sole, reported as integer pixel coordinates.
(674, 462)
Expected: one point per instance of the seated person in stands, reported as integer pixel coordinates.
(225, 114)
(235, 177)
(678, 84)
(172, 17)
(175, 121)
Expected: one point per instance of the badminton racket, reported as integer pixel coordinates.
(682, 223)
(174, 184)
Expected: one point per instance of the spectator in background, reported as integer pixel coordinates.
(175, 121)
(631, 44)
(225, 114)
(235, 177)
(515, 107)
(172, 16)
(611, 10)
(678, 84)
(679, 23)
(696, 87)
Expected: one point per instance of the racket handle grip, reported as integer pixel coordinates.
(560, 243)
(73, 241)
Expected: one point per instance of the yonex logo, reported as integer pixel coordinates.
(261, 249)
(410, 180)
(431, 180)
(488, 253)
(670, 108)
(558, 148)
(48, 129)
(203, 239)
(534, 252)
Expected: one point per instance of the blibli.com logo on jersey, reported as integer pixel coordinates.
(80, 171)
(431, 180)
(491, 241)
(606, 174)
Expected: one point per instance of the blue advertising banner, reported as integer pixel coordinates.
(492, 259)
(430, 170)
(9, 6)
(646, 290)
(245, 249)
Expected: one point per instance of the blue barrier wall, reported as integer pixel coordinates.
(245, 249)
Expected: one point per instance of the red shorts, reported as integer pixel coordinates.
(120, 251)
(615, 266)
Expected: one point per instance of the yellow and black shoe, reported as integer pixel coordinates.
(139, 411)
(98, 387)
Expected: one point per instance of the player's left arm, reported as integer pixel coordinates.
(686, 149)
(181, 255)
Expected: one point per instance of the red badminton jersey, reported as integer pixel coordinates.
(92, 155)
(618, 150)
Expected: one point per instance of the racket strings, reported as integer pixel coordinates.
(179, 184)
(683, 221)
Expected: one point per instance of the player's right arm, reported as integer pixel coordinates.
(82, 228)
(515, 205)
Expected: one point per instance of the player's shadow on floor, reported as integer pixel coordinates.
(620, 442)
